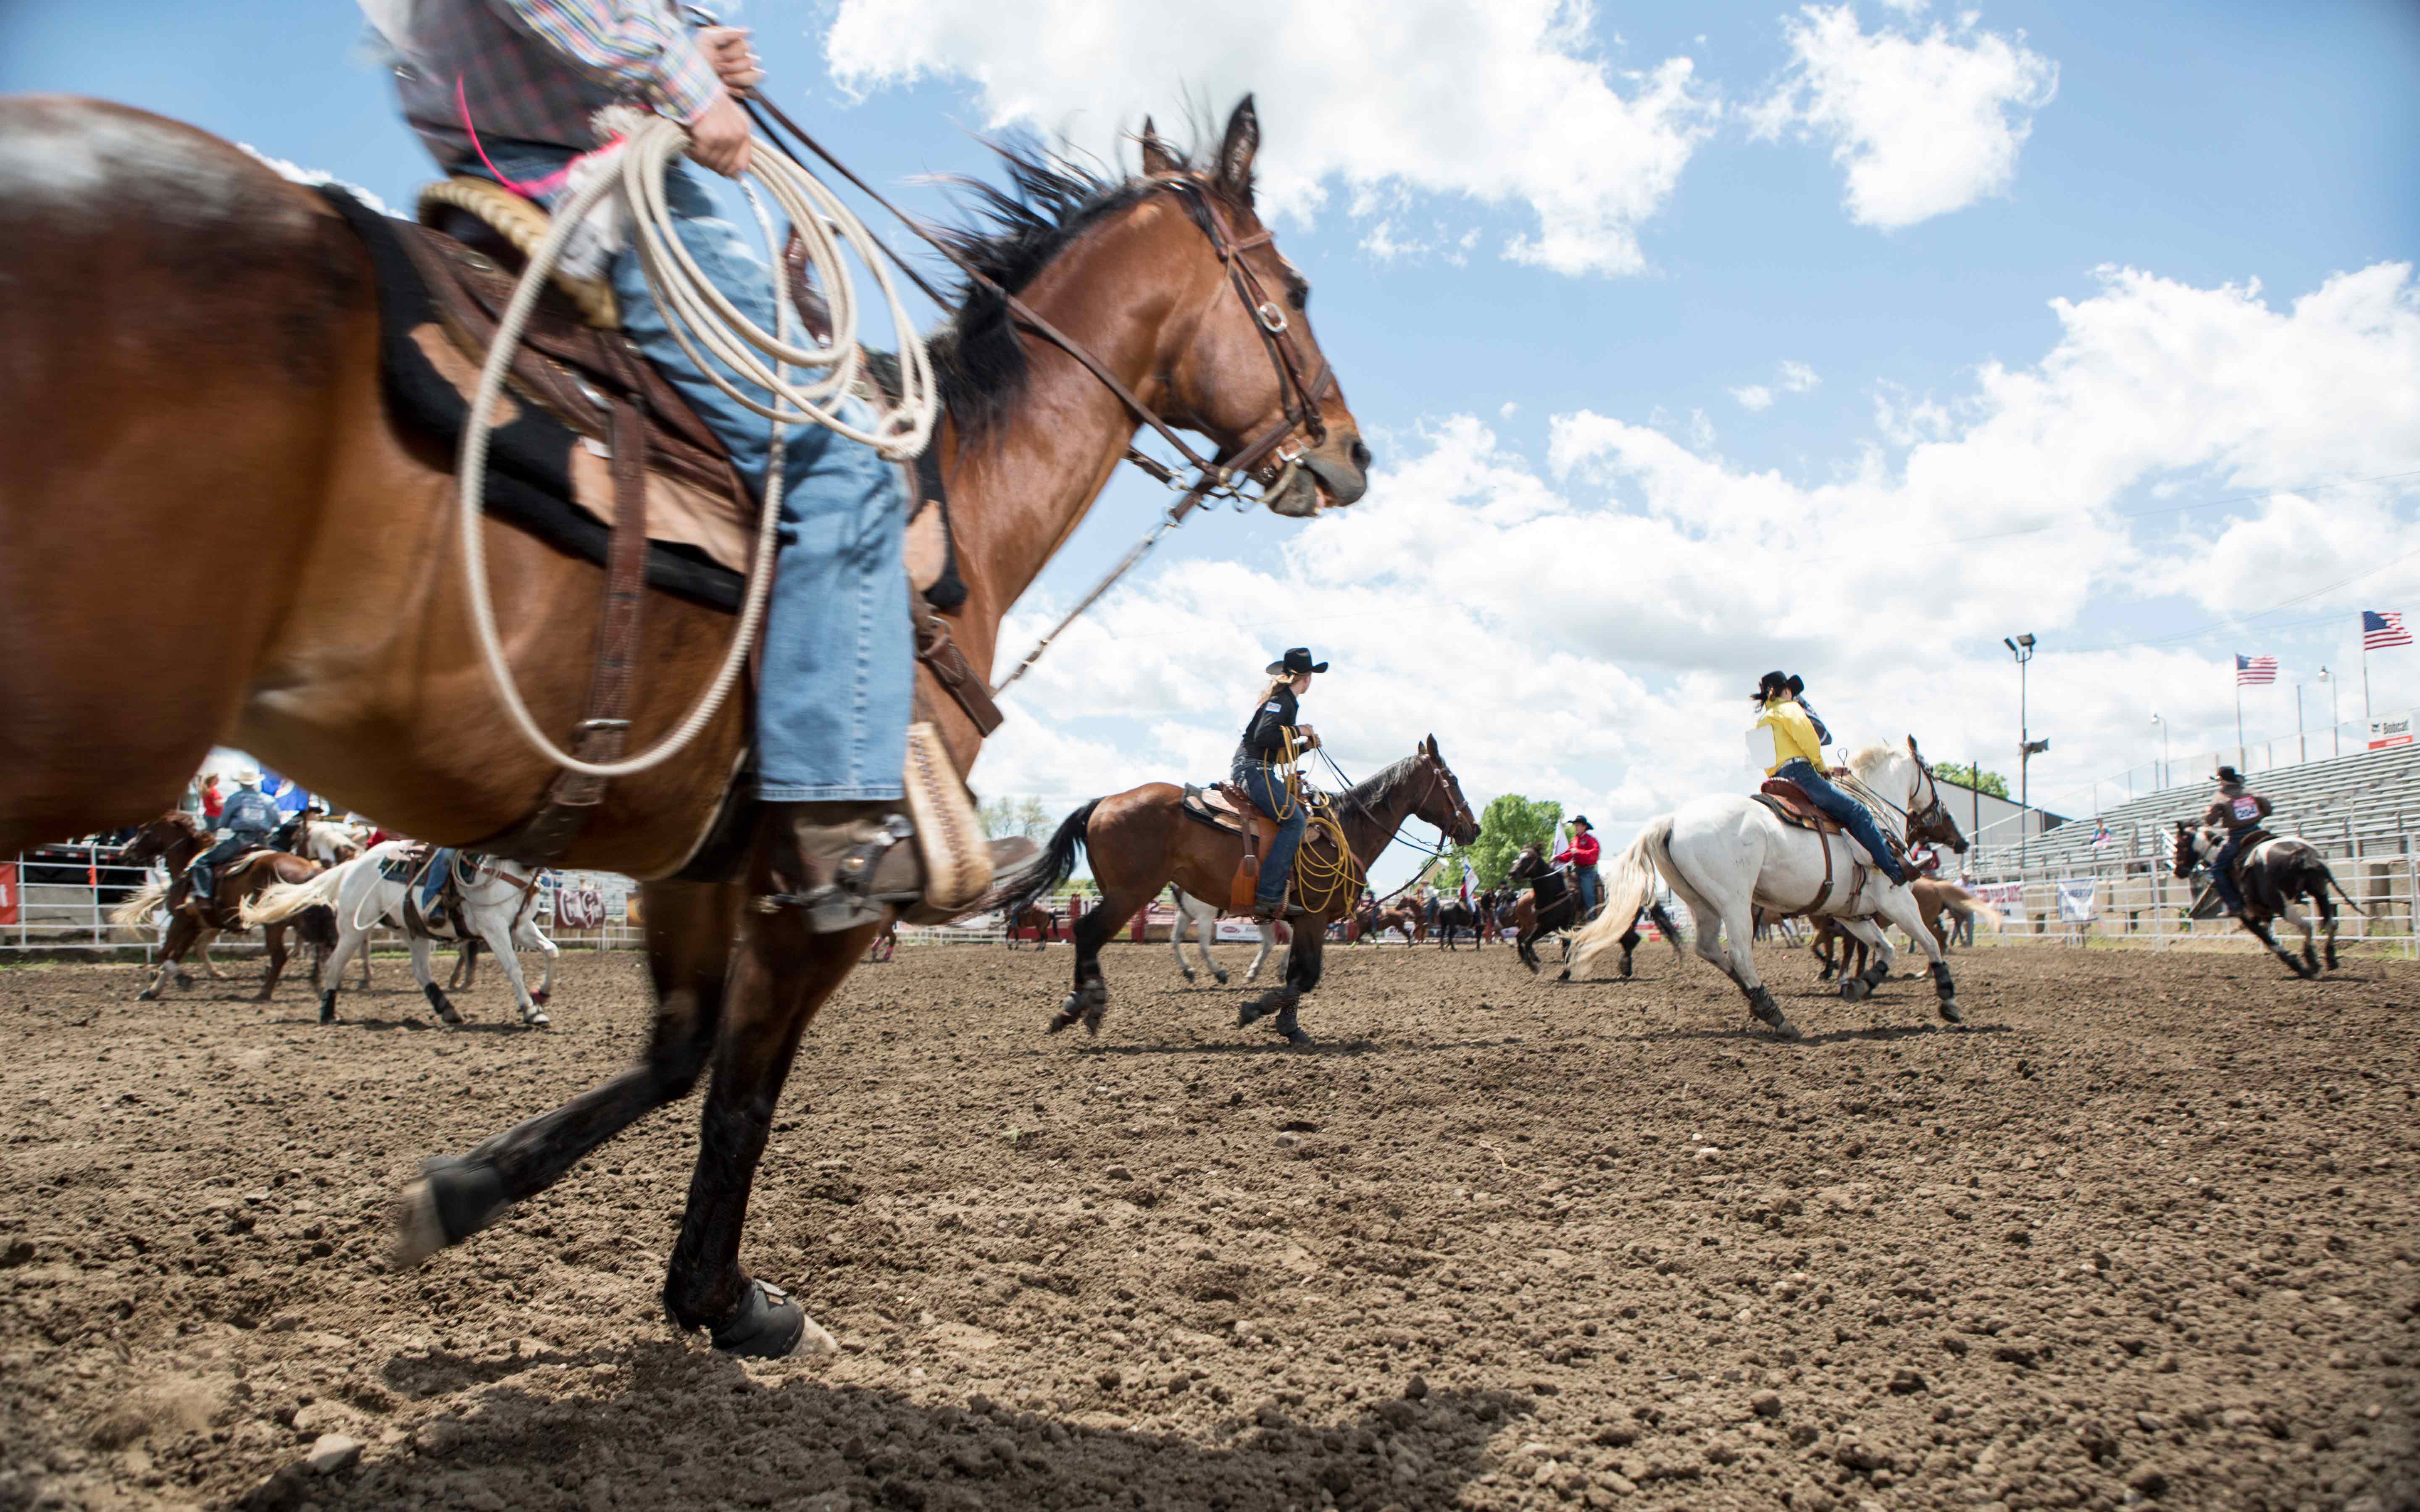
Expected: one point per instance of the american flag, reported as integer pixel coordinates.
(2252, 671)
(2382, 627)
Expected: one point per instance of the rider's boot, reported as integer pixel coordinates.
(849, 864)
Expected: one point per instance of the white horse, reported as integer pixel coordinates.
(1728, 855)
(498, 898)
(1200, 916)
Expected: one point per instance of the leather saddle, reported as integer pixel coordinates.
(1792, 807)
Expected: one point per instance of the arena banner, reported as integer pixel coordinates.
(1238, 930)
(2077, 900)
(7, 893)
(2394, 730)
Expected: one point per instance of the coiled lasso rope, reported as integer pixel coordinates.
(700, 315)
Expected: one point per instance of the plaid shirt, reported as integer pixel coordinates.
(536, 70)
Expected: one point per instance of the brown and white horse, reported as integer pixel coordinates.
(174, 838)
(191, 398)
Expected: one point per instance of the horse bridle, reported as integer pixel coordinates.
(1300, 385)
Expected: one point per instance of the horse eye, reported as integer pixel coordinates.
(1299, 297)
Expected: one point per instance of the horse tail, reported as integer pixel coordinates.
(1626, 894)
(1964, 905)
(284, 900)
(1022, 890)
(134, 910)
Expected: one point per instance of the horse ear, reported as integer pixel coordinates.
(1235, 154)
(1157, 159)
(1911, 749)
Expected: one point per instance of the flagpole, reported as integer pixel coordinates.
(2239, 718)
(2364, 685)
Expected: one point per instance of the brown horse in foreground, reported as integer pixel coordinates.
(193, 922)
(192, 399)
(1139, 842)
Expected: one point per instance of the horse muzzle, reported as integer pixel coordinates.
(1337, 473)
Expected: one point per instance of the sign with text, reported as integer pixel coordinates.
(8, 899)
(2395, 730)
(2077, 900)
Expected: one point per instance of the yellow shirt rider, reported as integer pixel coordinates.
(1798, 751)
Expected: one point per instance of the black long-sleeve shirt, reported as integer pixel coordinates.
(1264, 737)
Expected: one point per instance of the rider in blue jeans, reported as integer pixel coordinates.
(1271, 741)
(1801, 760)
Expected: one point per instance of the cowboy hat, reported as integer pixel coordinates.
(1581, 820)
(2227, 774)
(1296, 662)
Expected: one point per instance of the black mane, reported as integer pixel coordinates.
(1050, 200)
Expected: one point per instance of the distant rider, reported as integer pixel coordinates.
(2240, 811)
(1801, 761)
(1582, 852)
(245, 823)
(1272, 739)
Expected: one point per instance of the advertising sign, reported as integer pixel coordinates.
(8, 899)
(2077, 899)
(2395, 730)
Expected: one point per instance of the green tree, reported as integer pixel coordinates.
(1509, 822)
(1006, 817)
(1966, 777)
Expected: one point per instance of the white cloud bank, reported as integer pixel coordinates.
(1924, 124)
(1506, 103)
(1589, 629)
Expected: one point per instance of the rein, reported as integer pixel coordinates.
(1301, 385)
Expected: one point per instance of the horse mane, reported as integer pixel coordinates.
(1367, 792)
(979, 361)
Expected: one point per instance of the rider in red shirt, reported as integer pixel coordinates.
(1582, 852)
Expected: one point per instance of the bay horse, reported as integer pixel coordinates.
(2278, 873)
(1935, 896)
(194, 920)
(1727, 854)
(1139, 841)
(1403, 917)
(192, 396)
(1550, 905)
(1044, 921)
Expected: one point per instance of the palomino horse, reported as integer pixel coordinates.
(1724, 856)
(1550, 905)
(1200, 917)
(195, 921)
(2278, 873)
(193, 399)
(1139, 841)
(497, 898)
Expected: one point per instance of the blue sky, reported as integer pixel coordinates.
(2038, 267)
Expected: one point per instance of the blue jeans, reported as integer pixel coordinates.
(1589, 887)
(1847, 811)
(2222, 870)
(1269, 790)
(837, 678)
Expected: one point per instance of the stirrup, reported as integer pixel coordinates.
(849, 899)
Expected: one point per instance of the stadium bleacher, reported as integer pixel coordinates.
(2364, 803)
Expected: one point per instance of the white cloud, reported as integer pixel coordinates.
(1508, 104)
(1798, 377)
(1754, 398)
(1923, 124)
(1589, 628)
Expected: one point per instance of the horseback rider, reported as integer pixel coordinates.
(1582, 851)
(245, 822)
(1800, 751)
(506, 89)
(2239, 811)
(1263, 768)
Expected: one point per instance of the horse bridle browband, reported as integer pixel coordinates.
(1300, 386)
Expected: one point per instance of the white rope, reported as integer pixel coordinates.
(690, 300)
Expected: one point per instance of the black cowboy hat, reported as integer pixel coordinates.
(1581, 820)
(2227, 774)
(1296, 662)
(1796, 684)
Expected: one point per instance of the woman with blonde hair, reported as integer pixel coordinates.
(1272, 740)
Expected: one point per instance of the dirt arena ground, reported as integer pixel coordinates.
(2145, 1233)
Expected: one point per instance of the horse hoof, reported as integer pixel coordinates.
(1564, 975)
(769, 1325)
(1950, 1013)
(451, 1200)
(1249, 1015)
(1625, 968)
(1223, 978)
(1296, 1036)
(534, 1020)
(148, 994)
(1784, 1029)
(1063, 1019)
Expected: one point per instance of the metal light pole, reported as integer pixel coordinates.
(2302, 746)
(2164, 751)
(2335, 726)
(2023, 649)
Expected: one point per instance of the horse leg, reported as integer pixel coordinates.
(497, 930)
(1089, 998)
(202, 952)
(427, 975)
(528, 938)
(1630, 938)
(1261, 957)
(2327, 916)
(2301, 920)
(1304, 963)
(1901, 909)
(182, 928)
(1184, 922)
(274, 934)
(1875, 948)
(465, 967)
(331, 975)
(1733, 955)
(2260, 931)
